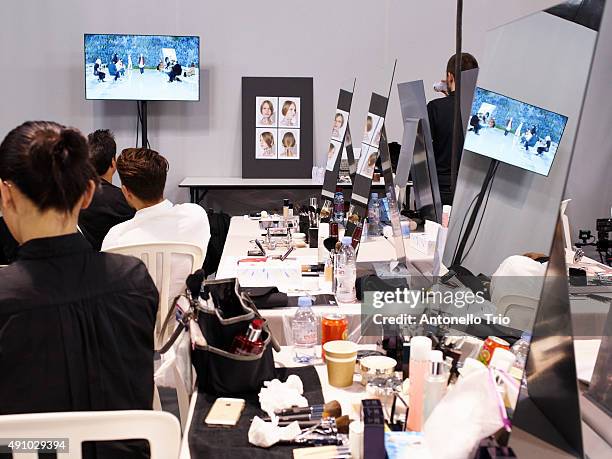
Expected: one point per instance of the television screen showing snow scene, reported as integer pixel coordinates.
(514, 132)
(142, 67)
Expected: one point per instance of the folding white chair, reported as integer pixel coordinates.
(160, 429)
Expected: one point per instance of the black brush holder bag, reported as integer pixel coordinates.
(219, 372)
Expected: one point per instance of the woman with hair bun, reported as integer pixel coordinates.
(76, 325)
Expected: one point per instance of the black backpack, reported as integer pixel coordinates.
(219, 226)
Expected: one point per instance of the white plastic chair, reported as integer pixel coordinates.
(160, 429)
(148, 253)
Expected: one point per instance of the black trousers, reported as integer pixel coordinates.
(446, 194)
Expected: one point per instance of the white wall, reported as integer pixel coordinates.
(332, 41)
(589, 184)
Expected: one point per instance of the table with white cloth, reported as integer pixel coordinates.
(244, 230)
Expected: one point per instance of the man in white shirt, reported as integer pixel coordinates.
(143, 178)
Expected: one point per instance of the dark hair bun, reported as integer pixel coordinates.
(48, 162)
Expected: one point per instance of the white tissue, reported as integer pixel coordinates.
(266, 434)
(276, 395)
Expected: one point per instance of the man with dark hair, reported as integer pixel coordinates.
(143, 178)
(441, 114)
(108, 207)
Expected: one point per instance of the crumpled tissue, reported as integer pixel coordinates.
(276, 395)
(266, 434)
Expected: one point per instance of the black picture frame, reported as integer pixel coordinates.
(280, 87)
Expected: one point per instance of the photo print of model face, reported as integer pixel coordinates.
(277, 125)
(266, 108)
(339, 125)
(367, 161)
(265, 143)
(141, 67)
(373, 127)
(335, 148)
(289, 112)
(288, 144)
(514, 132)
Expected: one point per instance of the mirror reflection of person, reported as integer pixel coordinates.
(338, 123)
(266, 109)
(289, 150)
(266, 143)
(289, 112)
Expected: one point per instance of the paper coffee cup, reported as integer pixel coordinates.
(340, 357)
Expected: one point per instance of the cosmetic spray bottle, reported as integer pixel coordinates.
(420, 347)
(435, 383)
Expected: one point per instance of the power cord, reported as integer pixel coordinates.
(463, 223)
(484, 208)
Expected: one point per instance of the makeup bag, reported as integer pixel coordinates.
(227, 314)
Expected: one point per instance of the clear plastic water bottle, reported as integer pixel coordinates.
(374, 216)
(304, 330)
(339, 206)
(345, 270)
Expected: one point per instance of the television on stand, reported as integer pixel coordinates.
(142, 68)
(514, 132)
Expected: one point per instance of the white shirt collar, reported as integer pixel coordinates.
(154, 210)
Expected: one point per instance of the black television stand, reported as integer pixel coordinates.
(142, 116)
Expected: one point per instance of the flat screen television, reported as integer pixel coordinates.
(142, 67)
(514, 132)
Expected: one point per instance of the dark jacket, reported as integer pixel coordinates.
(440, 112)
(107, 209)
(76, 329)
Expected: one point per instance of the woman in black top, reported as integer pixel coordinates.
(76, 326)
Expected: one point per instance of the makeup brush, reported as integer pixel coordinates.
(342, 424)
(330, 409)
(330, 243)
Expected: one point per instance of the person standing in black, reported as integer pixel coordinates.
(440, 112)
(76, 325)
(108, 207)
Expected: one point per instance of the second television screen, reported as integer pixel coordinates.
(142, 67)
(514, 132)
